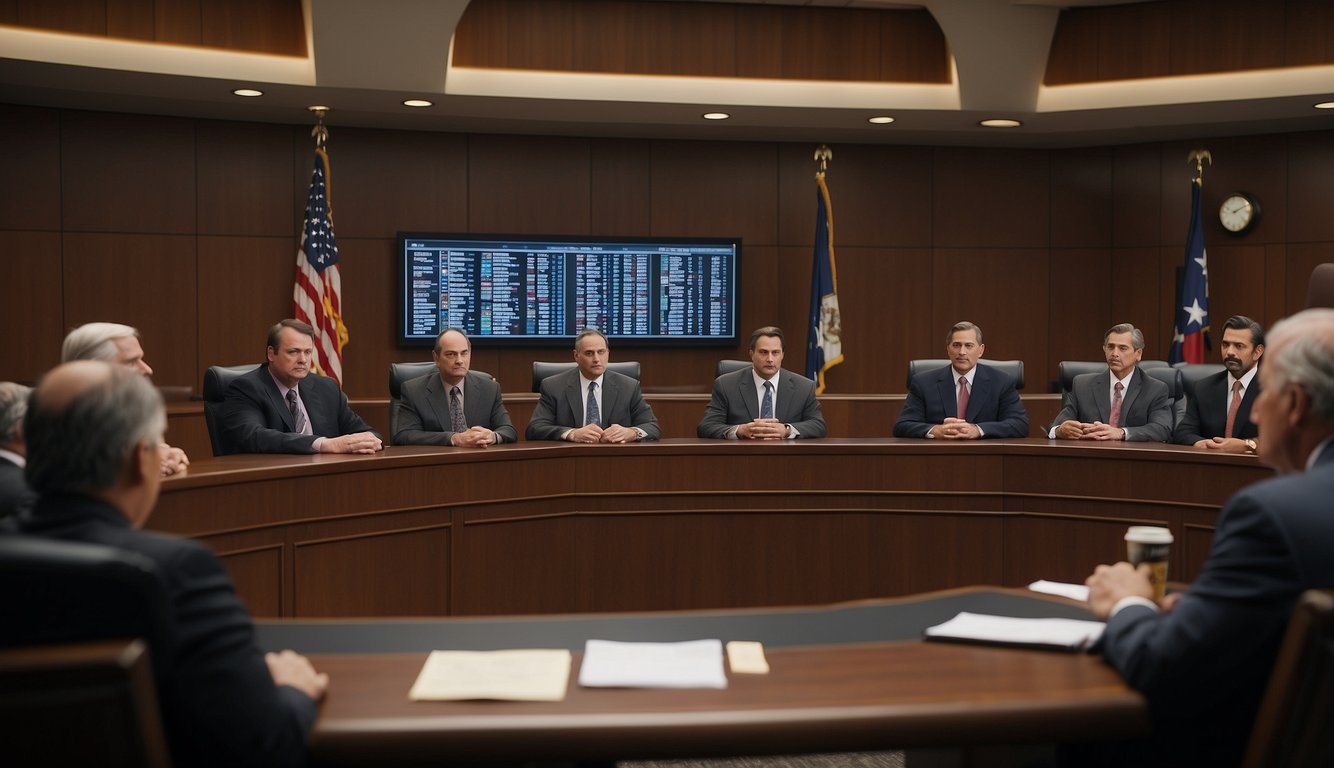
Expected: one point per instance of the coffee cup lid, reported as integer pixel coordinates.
(1148, 534)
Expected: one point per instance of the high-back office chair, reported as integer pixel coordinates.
(1149, 364)
(1069, 369)
(401, 372)
(1012, 368)
(59, 593)
(543, 370)
(1192, 374)
(216, 379)
(1293, 726)
(1320, 290)
(727, 366)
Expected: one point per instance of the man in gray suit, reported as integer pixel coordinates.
(591, 404)
(15, 495)
(1119, 404)
(455, 406)
(764, 401)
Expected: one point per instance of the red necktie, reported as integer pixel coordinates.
(963, 397)
(1115, 421)
(1232, 409)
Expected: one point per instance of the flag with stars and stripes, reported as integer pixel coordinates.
(317, 296)
(1190, 336)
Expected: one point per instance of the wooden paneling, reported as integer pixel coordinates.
(913, 48)
(254, 572)
(979, 286)
(364, 575)
(179, 21)
(671, 38)
(235, 313)
(368, 273)
(1137, 174)
(31, 307)
(1137, 298)
(30, 195)
(621, 199)
(383, 182)
(1309, 171)
(1242, 35)
(1081, 198)
(245, 180)
(147, 281)
(716, 189)
(265, 26)
(529, 185)
(270, 26)
(1078, 307)
(991, 198)
(86, 17)
(885, 301)
(130, 19)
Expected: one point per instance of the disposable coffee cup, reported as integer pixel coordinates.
(1153, 545)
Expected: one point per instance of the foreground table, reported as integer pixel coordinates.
(846, 677)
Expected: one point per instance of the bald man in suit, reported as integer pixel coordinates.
(426, 411)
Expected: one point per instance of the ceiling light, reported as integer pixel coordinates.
(1325, 105)
(880, 119)
(249, 92)
(715, 115)
(1001, 123)
(418, 103)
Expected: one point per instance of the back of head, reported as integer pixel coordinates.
(82, 423)
(13, 406)
(94, 341)
(1300, 352)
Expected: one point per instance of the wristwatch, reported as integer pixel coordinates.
(1251, 446)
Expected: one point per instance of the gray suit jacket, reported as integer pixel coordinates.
(423, 410)
(734, 402)
(1146, 410)
(560, 406)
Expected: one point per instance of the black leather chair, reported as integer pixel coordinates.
(1293, 726)
(1012, 368)
(1147, 364)
(1067, 370)
(216, 379)
(1165, 373)
(543, 370)
(401, 372)
(1193, 373)
(727, 366)
(74, 621)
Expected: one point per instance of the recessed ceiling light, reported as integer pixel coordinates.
(247, 92)
(418, 103)
(880, 119)
(715, 115)
(1001, 123)
(1325, 105)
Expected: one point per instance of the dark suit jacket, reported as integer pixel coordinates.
(255, 418)
(423, 410)
(560, 406)
(993, 403)
(1146, 407)
(219, 704)
(1206, 411)
(1204, 666)
(734, 402)
(15, 495)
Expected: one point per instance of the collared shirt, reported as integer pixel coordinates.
(13, 458)
(954, 377)
(1125, 390)
(1245, 380)
(597, 395)
(758, 381)
(283, 389)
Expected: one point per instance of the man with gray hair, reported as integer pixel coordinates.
(1203, 658)
(15, 495)
(1121, 403)
(92, 434)
(116, 343)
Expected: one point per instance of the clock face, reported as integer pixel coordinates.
(1237, 213)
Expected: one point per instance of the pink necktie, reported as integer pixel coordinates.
(1115, 421)
(1232, 409)
(963, 397)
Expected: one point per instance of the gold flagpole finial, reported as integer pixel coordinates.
(319, 132)
(823, 154)
(1199, 157)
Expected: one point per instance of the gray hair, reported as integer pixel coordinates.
(964, 325)
(1136, 335)
(1301, 352)
(95, 341)
(82, 445)
(13, 405)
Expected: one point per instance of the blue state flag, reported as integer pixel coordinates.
(824, 346)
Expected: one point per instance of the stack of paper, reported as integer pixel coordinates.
(515, 675)
(1067, 634)
(693, 664)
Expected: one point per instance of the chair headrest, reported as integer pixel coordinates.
(727, 366)
(1012, 368)
(543, 370)
(217, 377)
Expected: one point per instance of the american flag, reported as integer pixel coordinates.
(317, 296)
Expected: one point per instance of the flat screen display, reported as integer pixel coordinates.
(547, 289)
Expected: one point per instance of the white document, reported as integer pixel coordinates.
(1071, 634)
(1073, 591)
(514, 675)
(692, 664)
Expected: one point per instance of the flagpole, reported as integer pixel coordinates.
(317, 286)
(824, 345)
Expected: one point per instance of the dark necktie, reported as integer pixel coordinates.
(456, 421)
(963, 397)
(298, 418)
(767, 407)
(1232, 408)
(1115, 420)
(591, 413)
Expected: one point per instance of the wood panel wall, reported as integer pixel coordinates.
(188, 229)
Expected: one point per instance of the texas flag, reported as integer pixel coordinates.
(1190, 336)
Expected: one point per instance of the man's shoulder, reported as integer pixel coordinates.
(418, 385)
(481, 382)
(988, 373)
(620, 379)
(796, 379)
(1091, 379)
(933, 375)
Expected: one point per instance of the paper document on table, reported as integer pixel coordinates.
(512, 675)
(1067, 634)
(1073, 591)
(692, 664)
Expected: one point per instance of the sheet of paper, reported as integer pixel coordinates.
(746, 657)
(1073, 634)
(692, 664)
(512, 675)
(1073, 591)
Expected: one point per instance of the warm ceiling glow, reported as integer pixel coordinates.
(418, 103)
(715, 115)
(247, 92)
(1325, 105)
(1001, 123)
(880, 119)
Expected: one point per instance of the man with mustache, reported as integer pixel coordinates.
(1121, 403)
(1218, 408)
(280, 408)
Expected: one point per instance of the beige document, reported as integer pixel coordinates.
(512, 675)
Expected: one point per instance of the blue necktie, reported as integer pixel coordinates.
(591, 414)
(767, 407)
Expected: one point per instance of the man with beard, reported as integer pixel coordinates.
(1218, 408)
